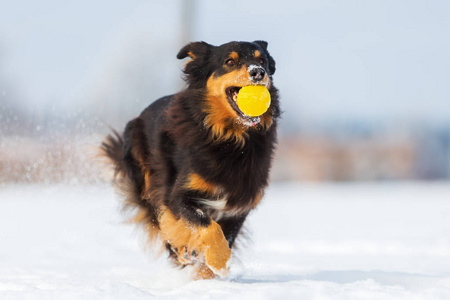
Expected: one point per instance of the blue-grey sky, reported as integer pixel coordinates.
(365, 60)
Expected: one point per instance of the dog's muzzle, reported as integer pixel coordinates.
(257, 74)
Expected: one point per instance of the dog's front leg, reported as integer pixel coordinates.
(199, 239)
(231, 227)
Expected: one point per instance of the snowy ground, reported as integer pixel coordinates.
(341, 241)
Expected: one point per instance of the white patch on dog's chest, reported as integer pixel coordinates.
(218, 204)
(216, 208)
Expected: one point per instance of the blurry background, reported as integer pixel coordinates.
(365, 85)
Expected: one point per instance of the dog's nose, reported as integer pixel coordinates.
(257, 74)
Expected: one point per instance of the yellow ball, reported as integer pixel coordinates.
(253, 100)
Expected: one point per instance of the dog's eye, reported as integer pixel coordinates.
(230, 62)
(261, 61)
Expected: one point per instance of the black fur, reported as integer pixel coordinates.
(169, 141)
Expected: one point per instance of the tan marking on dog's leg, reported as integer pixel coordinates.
(176, 232)
(209, 242)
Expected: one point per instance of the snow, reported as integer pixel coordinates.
(334, 241)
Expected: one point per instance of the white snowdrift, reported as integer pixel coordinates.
(309, 242)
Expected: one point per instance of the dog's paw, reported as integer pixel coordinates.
(196, 243)
(187, 256)
(201, 271)
(214, 249)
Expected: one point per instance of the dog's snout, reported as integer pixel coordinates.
(257, 74)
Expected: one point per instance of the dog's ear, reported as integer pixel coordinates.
(196, 69)
(194, 50)
(263, 45)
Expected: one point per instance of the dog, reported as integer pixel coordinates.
(193, 165)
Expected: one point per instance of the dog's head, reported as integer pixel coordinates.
(220, 72)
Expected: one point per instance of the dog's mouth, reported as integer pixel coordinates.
(232, 94)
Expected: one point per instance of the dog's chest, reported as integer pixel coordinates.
(217, 209)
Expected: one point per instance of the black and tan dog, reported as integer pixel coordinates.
(192, 165)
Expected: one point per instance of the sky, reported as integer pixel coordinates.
(336, 60)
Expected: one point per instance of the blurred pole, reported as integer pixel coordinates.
(187, 26)
(187, 20)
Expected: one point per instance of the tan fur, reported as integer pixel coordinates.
(234, 56)
(209, 242)
(203, 272)
(147, 184)
(198, 183)
(257, 54)
(220, 114)
(139, 217)
(257, 200)
(192, 55)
